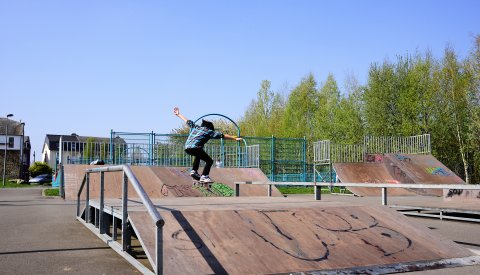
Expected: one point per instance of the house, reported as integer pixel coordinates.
(15, 149)
(76, 149)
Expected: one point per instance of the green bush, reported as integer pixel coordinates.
(39, 168)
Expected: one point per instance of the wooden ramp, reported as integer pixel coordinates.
(370, 173)
(280, 235)
(466, 195)
(397, 168)
(161, 182)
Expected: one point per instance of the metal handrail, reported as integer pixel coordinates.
(151, 209)
(384, 186)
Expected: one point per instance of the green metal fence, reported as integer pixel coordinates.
(281, 159)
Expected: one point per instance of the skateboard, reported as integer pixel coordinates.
(196, 182)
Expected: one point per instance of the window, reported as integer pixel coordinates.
(11, 142)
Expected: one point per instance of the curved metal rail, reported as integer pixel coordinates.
(128, 176)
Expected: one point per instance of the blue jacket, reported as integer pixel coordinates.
(200, 135)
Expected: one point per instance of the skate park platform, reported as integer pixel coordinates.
(256, 234)
(161, 182)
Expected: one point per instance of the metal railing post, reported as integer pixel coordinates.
(125, 229)
(237, 189)
(384, 196)
(317, 192)
(102, 203)
(87, 198)
(114, 227)
(61, 181)
(159, 250)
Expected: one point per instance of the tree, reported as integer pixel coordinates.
(473, 68)
(302, 103)
(89, 149)
(39, 168)
(453, 103)
(352, 111)
(264, 114)
(326, 120)
(381, 100)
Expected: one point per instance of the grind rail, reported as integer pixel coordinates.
(384, 186)
(99, 227)
(421, 211)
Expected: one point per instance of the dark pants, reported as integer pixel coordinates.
(198, 154)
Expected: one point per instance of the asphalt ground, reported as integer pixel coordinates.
(40, 235)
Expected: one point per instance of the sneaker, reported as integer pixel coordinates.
(194, 175)
(206, 179)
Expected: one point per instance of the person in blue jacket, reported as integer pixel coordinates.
(199, 135)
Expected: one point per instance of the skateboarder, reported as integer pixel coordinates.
(199, 135)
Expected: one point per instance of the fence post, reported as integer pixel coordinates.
(111, 155)
(150, 149)
(222, 151)
(272, 159)
(304, 177)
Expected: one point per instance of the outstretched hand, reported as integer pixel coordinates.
(176, 111)
(238, 138)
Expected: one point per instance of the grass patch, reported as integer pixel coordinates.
(287, 190)
(223, 190)
(51, 192)
(290, 190)
(11, 184)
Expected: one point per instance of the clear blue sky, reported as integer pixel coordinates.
(91, 66)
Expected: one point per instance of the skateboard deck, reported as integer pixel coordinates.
(197, 182)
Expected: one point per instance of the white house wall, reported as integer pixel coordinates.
(17, 143)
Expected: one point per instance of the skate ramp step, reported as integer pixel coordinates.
(161, 182)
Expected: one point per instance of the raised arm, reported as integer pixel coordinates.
(225, 136)
(176, 111)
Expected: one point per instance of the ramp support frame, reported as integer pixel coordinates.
(99, 224)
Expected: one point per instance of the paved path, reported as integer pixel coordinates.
(40, 235)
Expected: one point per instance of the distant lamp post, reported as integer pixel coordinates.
(5, 152)
(22, 144)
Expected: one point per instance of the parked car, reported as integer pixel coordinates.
(41, 179)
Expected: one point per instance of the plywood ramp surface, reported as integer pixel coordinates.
(160, 182)
(397, 168)
(463, 196)
(177, 182)
(424, 169)
(261, 241)
(370, 173)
